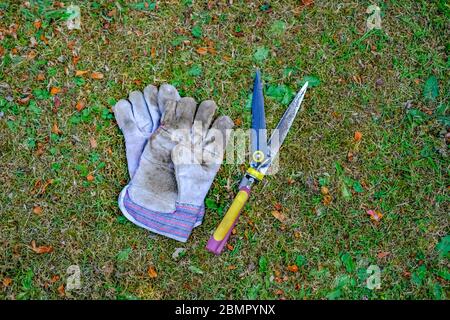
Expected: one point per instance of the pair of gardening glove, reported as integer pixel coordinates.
(174, 150)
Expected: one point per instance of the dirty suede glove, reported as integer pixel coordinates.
(139, 116)
(159, 197)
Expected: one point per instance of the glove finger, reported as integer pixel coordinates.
(205, 114)
(140, 111)
(185, 112)
(151, 98)
(166, 92)
(216, 140)
(169, 116)
(124, 115)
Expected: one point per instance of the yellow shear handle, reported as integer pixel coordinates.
(231, 215)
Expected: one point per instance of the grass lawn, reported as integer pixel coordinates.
(373, 136)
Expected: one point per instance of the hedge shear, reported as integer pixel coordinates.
(262, 155)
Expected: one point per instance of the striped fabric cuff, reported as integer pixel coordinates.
(177, 225)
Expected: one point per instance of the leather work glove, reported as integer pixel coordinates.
(165, 198)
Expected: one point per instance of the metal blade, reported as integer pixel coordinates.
(258, 135)
(283, 127)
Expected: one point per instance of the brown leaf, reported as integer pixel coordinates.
(226, 58)
(54, 278)
(93, 142)
(6, 281)
(327, 199)
(358, 136)
(382, 255)
(97, 75)
(202, 51)
(40, 149)
(238, 122)
(55, 90)
(43, 38)
(153, 53)
(90, 178)
(307, 2)
(40, 249)
(152, 272)
(56, 104)
(279, 216)
(324, 190)
(79, 73)
(37, 24)
(231, 267)
(75, 60)
(230, 247)
(293, 268)
(37, 210)
(40, 77)
(278, 206)
(80, 105)
(61, 290)
(55, 128)
(25, 100)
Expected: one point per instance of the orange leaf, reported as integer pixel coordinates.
(231, 267)
(61, 290)
(226, 58)
(79, 73)
(97, 75)
(37, 24)
(37, 210)
(54, 278)
(55, 90)
(324, 190)
(307, 2)
(40, 249)
(90, 178)
(153, 53)
(75, 60)
(279, 216)
(93, 142)
(278, 206)
(202, 51)
(152, 272)
(327, 199)
(80, 105)
(55, 129)
(358, 136)
(7, 282)
(381, 255)
(40, 77)
(230, 247)
(293, 268)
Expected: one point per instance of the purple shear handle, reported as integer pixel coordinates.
(216, 246)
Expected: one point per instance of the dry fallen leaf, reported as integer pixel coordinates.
(93, 142)
(90, 178)
(40, 77)
(6, 281)
(307, 2)
(230, 247)
(40, 249)
(324, 190)
(37, 210)
(152, 272)
(54, 278)
(80, 105)
(153, 53)
(37, 24)
(75, 60)
(55, 129)
(238, 122)
(55, 90)
(279, 216)
(293, 268)
(61, 290)
(327, 199)
(358, 136)
(382, 255)
(79, 73)
(97, 75)
(231, 267)
(202, 51)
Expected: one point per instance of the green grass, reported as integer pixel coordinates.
(362, 82)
